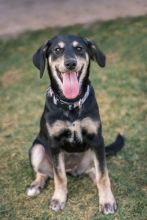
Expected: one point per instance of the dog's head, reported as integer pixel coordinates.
(68, 59)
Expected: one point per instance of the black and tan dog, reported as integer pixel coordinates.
(70, 138)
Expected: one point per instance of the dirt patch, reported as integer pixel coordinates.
(112, 58)
(19, 16)
(10, 78)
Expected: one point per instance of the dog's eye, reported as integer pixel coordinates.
(58, 50)
(79, 49)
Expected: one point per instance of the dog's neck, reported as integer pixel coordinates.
(68, 104)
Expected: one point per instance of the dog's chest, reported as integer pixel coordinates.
(73, 132)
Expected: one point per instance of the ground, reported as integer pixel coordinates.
(18, 16)
(120, 89)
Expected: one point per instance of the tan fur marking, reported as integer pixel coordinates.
(75, 43)
(60, 181)
(57, 64)
(77, 126)
(57, 127)
(90, 125)
(37, 156)
(40, 161)
(61, 44)
(60, 177)
(81, 62)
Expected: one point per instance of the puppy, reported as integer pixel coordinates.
(70, 138)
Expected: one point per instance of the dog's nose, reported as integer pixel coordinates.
(70, 64)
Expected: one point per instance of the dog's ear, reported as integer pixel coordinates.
(40, 56)
(95, 53)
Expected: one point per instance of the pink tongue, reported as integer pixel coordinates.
(70, 85)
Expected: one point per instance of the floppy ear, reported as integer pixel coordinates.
(95, 53)
(39, 58)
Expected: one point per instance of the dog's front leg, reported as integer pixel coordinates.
(107, 204)
(59, 198)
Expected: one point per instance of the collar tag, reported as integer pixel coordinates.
(55, 100)
(80, 103)
(70, 107)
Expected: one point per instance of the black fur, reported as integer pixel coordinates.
(58, 132)
(89, 108)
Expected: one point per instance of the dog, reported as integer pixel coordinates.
(70, 138)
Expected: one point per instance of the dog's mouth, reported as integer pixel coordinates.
(70, 82)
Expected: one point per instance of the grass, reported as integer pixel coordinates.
(120, 89)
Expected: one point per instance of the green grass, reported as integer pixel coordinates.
(120, 89)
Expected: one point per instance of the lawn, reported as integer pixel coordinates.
(120, 90)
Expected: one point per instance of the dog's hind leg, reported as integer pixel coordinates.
(42, 167)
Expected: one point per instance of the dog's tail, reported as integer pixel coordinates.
(116, 146)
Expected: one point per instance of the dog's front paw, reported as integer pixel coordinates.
(108, 208)
(56, 205)
(33, 191)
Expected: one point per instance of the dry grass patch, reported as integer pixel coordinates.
(11, 77)
(120, 91)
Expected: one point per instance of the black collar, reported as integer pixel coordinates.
(67, 105)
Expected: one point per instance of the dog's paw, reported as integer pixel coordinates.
(56, 205)
(33, 191)
(108, 208)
